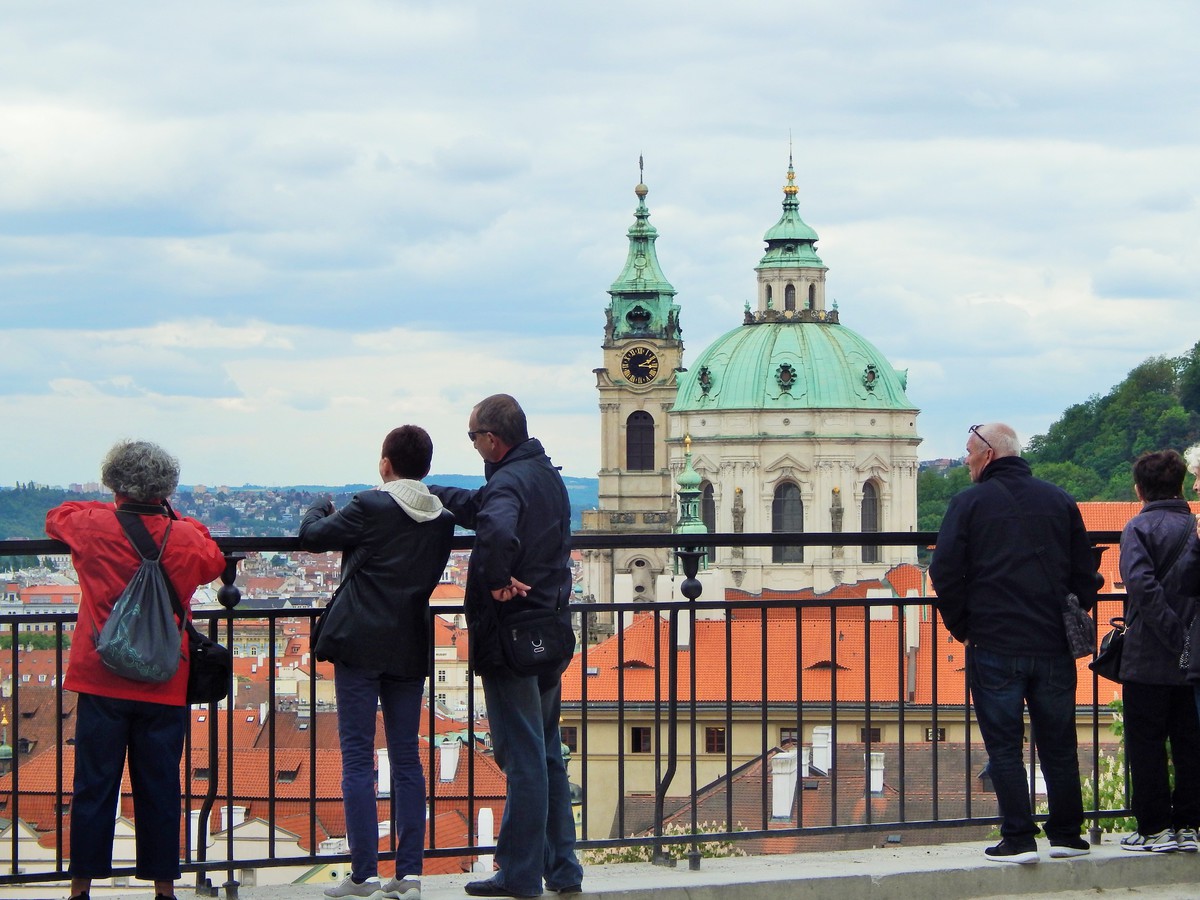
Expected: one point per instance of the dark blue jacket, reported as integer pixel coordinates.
(522, 523)
(1158, 604)
(992, 587)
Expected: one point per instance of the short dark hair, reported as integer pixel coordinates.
(502, 416)
(1159, 475)
(409, 449)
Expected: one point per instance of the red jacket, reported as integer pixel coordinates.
(105, 560)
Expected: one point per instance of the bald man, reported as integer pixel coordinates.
(1010, 549)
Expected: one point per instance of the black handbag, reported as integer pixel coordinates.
(1107, 663)
(210, 668)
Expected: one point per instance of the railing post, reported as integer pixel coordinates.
(228, 595)
(691, 589)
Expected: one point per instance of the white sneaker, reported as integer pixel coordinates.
(403, 888)
(1162, 842)
(370, 889)
(1186, 840)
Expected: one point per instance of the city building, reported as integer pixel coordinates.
(794, 422)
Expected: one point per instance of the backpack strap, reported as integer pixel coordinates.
(130, 517)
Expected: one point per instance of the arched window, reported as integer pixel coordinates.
(870, 520)
(789, 297)
(812, 296)
(787, 514)
(639, 442)
(708, 515)
(768, 295)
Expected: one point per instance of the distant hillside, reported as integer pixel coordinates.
(246, 511)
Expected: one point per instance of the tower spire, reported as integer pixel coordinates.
(642, 298)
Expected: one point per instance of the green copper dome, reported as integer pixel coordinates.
(791, 365)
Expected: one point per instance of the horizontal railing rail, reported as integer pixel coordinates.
(678, 789)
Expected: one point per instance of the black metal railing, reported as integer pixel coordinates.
(728, 778)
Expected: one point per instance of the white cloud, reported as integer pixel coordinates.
(269, 230)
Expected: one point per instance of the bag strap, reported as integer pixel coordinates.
(130, 517)
(1178, 548)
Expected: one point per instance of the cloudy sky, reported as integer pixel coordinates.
(264, 233)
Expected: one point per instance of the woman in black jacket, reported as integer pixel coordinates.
(395, 541)
(1160, 567)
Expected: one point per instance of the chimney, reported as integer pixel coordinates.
(822, 750)
(783, 784)
(876, 773)
(485, 838)
(239, 816)
(384, 762)
(199, 829)
(449, 759)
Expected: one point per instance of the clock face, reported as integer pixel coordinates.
(639, 365)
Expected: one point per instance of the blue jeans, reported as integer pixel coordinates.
(152, 734)
(359, 693)
(537, 830)
(1001, 686)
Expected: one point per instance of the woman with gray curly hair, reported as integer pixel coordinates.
(117, 716)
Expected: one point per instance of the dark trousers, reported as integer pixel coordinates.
(1001, 687)
(537, 829)
(360, 692)
(152, 736)
(1154, 715)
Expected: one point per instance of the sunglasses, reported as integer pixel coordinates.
(471, 435)
(974, 429)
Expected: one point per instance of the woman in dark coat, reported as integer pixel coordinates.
(1160, 567)
(395, 541)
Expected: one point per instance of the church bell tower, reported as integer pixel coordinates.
(643, 353)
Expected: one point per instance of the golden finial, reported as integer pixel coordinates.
(790, 188)
(687, 443)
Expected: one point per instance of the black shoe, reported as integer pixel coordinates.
(569, 889)
(1065, 848)
(1006, 851)
(491, 888)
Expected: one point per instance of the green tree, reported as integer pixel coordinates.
(1080, 483)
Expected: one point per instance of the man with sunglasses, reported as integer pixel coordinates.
(1010, 549)
(521, 561)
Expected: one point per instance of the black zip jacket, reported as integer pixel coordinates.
(992, 588)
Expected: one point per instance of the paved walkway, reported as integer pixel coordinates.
(940, 872)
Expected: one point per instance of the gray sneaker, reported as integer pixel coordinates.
(1162, 842)
(371, 890)
(1186, 840)
(403, 888)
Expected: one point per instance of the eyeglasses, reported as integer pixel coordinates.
(974, 429)
(471, 435)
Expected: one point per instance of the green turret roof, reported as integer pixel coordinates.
(642, 298)
(790, 242)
